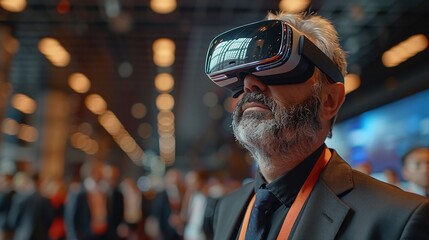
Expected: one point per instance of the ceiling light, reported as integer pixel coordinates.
(10, 126)
(54, 52)
(27, 133)
(165, 119)
(351, 82)
(79, 83)
(404, 50)
(164, 82)
(23, 103)
(138, 110)
(13, 5)
(163, 52)
(293, 6)
(165, 102)
(96, 104)
(110, 122)
(163, 6)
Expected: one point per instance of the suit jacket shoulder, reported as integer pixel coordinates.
(344, 204)
(347, 204)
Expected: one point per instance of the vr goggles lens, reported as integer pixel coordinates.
(271, 50)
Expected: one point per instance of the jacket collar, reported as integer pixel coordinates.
(325, 211)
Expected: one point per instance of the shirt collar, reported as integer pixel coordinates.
(286, 187)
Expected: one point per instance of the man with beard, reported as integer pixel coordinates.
(287, 73)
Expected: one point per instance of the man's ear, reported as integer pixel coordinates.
(333, 95)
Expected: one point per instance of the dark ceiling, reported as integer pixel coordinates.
(98, 45)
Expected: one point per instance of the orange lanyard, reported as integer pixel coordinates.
(299, 202)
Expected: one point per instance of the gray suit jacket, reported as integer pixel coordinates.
(344, 204)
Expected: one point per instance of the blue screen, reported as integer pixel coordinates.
(382, 135)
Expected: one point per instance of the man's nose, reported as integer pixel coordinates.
(253, 84)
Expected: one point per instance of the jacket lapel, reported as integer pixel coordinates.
(235, 209)
(324, 212)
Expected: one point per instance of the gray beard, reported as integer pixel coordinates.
(285, 131)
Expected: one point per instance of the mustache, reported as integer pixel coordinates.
(256, 98)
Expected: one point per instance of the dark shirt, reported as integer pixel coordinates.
(286, 189)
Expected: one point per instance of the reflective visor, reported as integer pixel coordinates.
(271, 50)
(245, 46)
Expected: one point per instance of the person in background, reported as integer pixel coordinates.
(31, 214)
(288, 75)
(74, 189)
(194, 205)
(166, 206)
(364, 167)
(55, 190)
(215, 190)
(86, 210)
(115, 201)
(133, 220)
(6, 194)
(390, 176)
(415, 170)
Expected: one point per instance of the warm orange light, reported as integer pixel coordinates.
(165, 102)
(229, 104)
(13, 5)
(167, 147)
(11, 45)
(54, 52)
(84, 142)
(404, 50)
(96, 104)
(351, 82)
(79, 82)
(293, 6)
(23, 103)
(163, 52)
(163, 6)
(164, 82)
(138, 110)
(124, 140)
(165, 119)
(10, 126)
(110, 122)
(27, 133)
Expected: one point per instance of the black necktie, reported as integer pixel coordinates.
(259, 223)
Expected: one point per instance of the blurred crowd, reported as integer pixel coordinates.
(106, 204)
(413, 175)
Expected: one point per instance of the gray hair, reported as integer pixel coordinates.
(323, 34)
(320, 31)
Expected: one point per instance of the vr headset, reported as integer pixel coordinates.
(271, 50)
